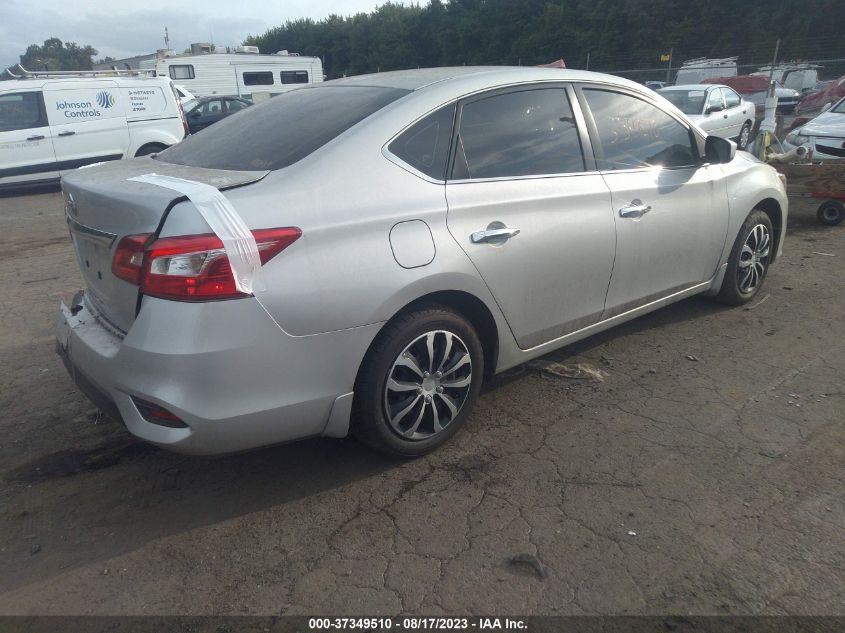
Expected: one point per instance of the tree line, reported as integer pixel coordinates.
(606, 35)
(616, 34)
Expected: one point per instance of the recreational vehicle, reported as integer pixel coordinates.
(243, 73)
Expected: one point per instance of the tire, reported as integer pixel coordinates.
(749, 260)
(150, 148)
(744, 136)
(401, 422)
(831, 213)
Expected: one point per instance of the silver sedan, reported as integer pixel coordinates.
(716, 109)
(409, 232)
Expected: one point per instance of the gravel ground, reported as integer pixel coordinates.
(703, 475)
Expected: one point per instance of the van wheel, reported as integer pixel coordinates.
(150, 148)
(418, 383)
(749, 260)
(831, 213)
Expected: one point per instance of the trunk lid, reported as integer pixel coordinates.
(102, 207)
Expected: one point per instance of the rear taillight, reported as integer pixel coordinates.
(129, 258)
(195, 267)
(182, 116)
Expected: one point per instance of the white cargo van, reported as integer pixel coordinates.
(695, 71)
(51, 123)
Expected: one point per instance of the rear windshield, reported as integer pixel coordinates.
(282, 130)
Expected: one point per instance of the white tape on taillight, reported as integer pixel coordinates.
(238, 241)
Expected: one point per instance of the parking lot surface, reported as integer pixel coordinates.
(702, 475)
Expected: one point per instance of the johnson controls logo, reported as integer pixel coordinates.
(105, 99)
(79, 109)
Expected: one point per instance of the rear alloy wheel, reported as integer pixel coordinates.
(749, 260)
(831, 213)
(744, 136)
(418, 383)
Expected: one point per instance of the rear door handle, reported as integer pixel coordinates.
(493, 235)
(37, 137)
(67, 133)
(634, 210)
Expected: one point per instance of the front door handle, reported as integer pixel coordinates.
(493, 235)
(634, 210)
(37, 137)
(67, 133)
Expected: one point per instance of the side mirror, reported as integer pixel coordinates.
(713, 108)
(195, 114)
(718, 150)
(826, 107)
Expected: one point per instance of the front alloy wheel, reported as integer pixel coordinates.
(753, 259)
(749, 260)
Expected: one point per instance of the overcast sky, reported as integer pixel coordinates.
(121, 28)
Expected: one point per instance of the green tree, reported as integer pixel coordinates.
(619, 35)
(55, 55)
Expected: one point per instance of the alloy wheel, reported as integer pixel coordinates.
(753, 259)
(428, 384)
(744, 135)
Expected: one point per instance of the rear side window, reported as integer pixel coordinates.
(425, 145)
(294, 76)
(21, 111)
(282, 130)
(182, 71)
(633, 133)
(526, 133)
(258, 78)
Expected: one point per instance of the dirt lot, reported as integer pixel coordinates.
(704, 486)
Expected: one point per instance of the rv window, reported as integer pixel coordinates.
(258, 79)
(294, 76)
(184, 71)
(281, 130)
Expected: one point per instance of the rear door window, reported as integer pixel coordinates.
(633, 133)
(282, 130)
(520, 133)
(21, 111)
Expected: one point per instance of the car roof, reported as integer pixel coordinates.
(420, 78)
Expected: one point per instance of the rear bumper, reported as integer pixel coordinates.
(226, 369)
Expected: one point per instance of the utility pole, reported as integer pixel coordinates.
(774, 61)
(588, 61)
(166, 38)
(669, 70)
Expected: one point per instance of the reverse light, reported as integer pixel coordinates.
(196, 268)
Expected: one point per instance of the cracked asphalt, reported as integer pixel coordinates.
(711, 485)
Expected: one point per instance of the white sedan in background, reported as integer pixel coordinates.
(716, 109)
(825, 134)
